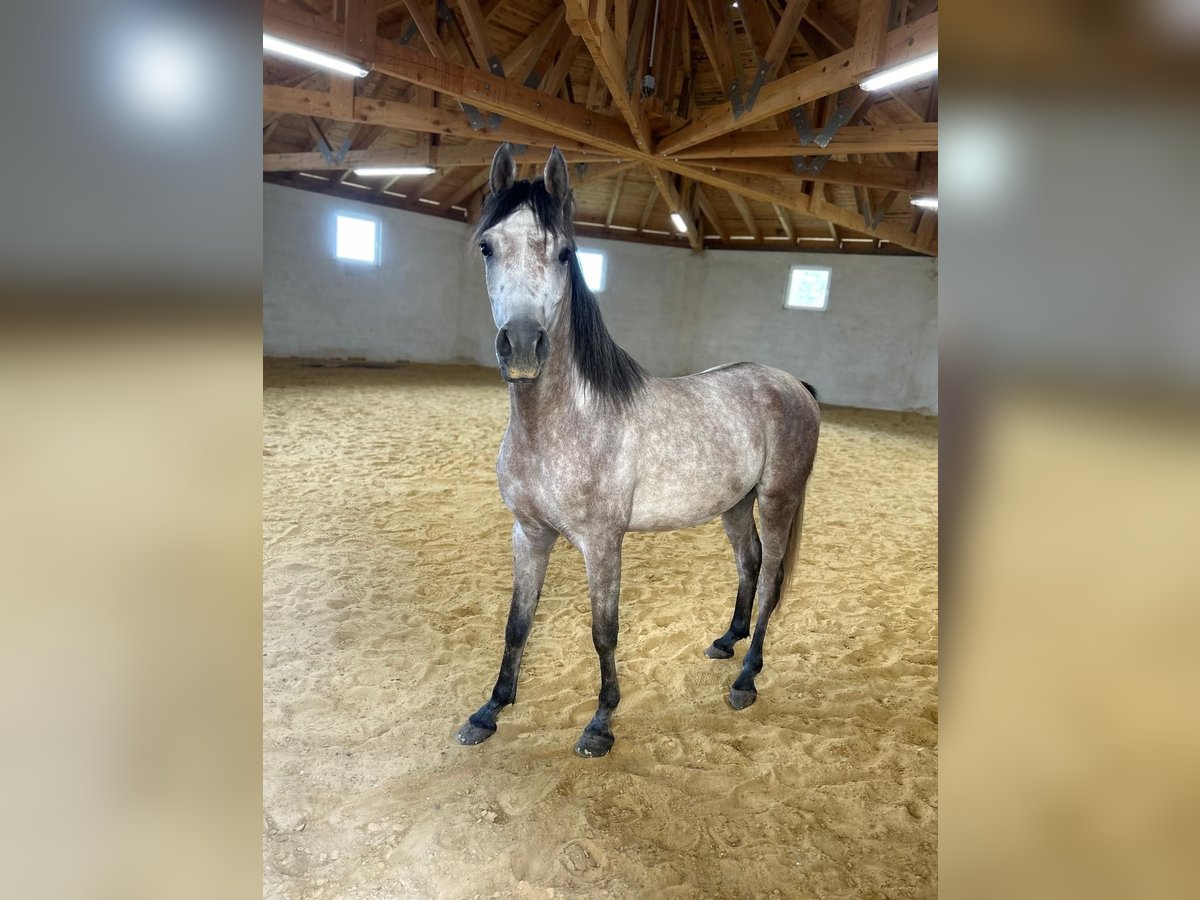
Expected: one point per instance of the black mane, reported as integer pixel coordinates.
(605, 367)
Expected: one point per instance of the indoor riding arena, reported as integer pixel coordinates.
(464, 327)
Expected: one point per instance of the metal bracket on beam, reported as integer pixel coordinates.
(411, 32)
(476, 121)
(841, 115)
(800, 122)
(322, 143)
(808, 165)
(495, 66)
(735, 98)
(760, 78)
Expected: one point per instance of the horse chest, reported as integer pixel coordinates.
(565, 484)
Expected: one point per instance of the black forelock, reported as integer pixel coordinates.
(551, 215)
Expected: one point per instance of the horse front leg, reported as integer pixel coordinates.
(531, 554)
(603, 560)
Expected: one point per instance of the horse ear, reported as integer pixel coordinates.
(504, 170)
(555, 177)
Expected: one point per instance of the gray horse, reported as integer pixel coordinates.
(596, 447)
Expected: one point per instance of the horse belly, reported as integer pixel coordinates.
(682, 498)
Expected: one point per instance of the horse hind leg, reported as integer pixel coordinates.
(780, 516)
(747, 553)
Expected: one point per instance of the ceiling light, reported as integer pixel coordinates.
(399, 171)
(922, 65)
(295, 51)
(677, 221)
(924, 202)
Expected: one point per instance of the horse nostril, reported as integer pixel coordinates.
(541, 345)
(503, 345)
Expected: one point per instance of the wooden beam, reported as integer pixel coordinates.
(477, 31)
(361, 20)
(785, 31)
(857, 174)
(599, 172)
(470, 186)
(784, 221)
(477, 154)
(771, 190)
(830, 28)
(316, 162)
(415, 190)
(428, 29)
(412, 117)
(908, 138)
(870, 37)
(608, 53)
(554, 79)
(715, 46)
(616, 198)
(651, 202)
(600, 132)
(463, 84)
(710, 213)
(817, 80)
(743, 209)
(536, 43)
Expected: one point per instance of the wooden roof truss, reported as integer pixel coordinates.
(746, 120)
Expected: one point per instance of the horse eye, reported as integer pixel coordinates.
(485, 249)
(564, 255)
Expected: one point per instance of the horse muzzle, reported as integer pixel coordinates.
(522, 346)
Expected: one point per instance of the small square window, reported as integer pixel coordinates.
(592, 264)
(358, 239)
(808, 288)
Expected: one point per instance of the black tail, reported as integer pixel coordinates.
(812, 390)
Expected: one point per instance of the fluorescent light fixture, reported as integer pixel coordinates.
(924, 202)
(295, 51)
(373, 171)
(922, 65)
(677, 221)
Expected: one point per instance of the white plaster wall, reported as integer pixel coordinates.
(675, 311)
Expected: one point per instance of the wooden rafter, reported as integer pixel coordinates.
(747, 163)
(743, 209)
(810, 83)
(710, 213)
(856, 174)
(616, 198)
(410, 117)
(598, 172)
(651, 201)
(441, 157)
(607, 49)
(849, 139)
(781, 214)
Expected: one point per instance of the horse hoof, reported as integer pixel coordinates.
(715, 652)
(594, 744)
(741, 699)
(471, 734)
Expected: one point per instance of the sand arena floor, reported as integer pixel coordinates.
(387, 578)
